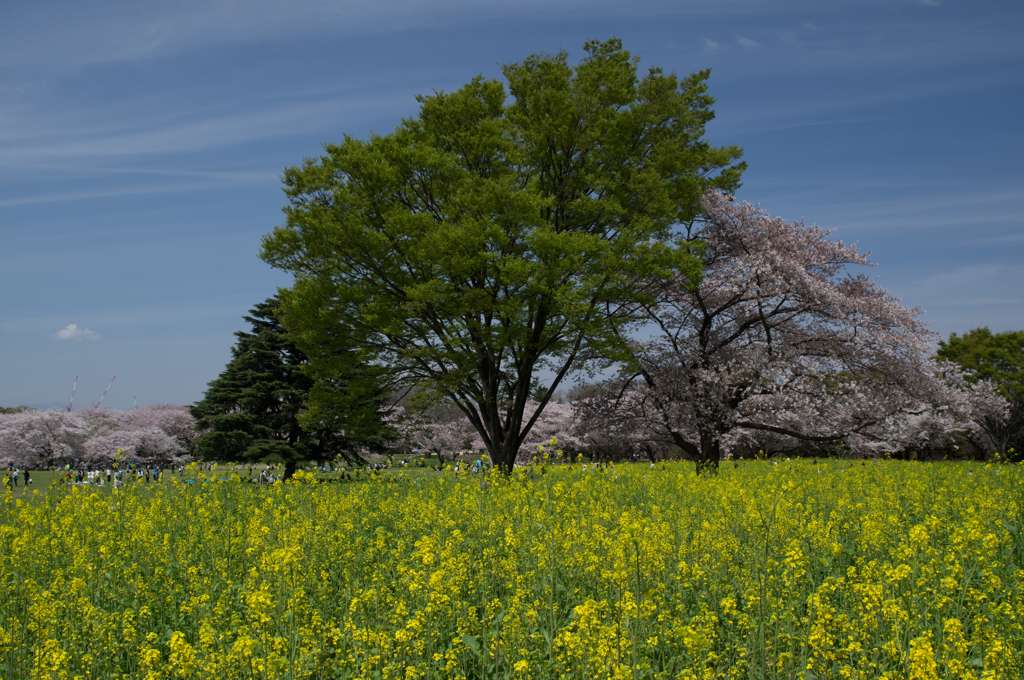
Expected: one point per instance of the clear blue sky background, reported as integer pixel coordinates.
(141, 146)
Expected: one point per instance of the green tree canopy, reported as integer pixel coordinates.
(985, 355)
(256, 409)
(503, 232)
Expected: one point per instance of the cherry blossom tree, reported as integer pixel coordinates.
(556, 422)
(37, 439)
(155, 434)
(997, 421)
(173, 421)
(993, 366)
(444, 438)
(147, 445)
(434, 429)
(777, 337)
(442, 430)
(616, 423)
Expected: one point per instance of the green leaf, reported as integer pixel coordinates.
(471, 642)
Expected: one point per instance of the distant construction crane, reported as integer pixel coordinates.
(70, 403)
(97, 404)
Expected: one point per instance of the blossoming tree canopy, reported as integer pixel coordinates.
(501, 231)
(777, 337)
(172, 420)
(159, 433)
(40, 438)
(994, 365)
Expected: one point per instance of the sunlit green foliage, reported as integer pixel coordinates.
(506, 229)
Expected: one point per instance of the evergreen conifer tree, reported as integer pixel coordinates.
(254, 410)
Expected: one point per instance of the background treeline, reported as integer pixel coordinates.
(593, 420)
(158, 434)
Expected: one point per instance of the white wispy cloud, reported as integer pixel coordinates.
(971, 285)
(842, 105)
(214, 130)
(73, 332)
(923, 209)
(746, 42)
(970, 296)
(115, 30)
(219, 180)
(789, 38)
(1012, 238)
(710, 44)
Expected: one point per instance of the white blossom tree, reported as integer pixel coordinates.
(777, 337)
(617, 420)
(996, 420)
(438, 430)
(37, 439)
(556, 422)
(993, 368)
(174, 421)
(147, 445)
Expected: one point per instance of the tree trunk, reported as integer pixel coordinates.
(710, 454)
(706, 457)
(502, 457)
(289, 469)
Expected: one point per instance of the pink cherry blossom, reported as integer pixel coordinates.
(40, 438)
(92, 436)
(778, 337)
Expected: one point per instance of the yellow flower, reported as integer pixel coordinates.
(667, 575)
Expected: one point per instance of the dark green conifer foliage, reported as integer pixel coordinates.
(254, 410)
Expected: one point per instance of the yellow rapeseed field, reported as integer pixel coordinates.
(789, 570)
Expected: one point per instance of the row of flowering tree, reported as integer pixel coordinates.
(777, 344)
(156, 434)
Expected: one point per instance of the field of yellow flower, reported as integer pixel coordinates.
(796, 570)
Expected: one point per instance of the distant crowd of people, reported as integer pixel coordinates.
(113, 474)
(11, 478)
(88, 475)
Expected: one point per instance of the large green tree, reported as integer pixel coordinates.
(999, 358)
(257, 409)
(503, 233)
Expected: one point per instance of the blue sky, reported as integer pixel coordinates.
(141, 146)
